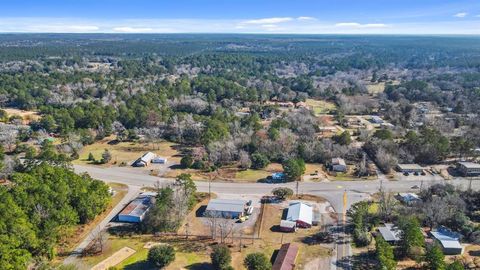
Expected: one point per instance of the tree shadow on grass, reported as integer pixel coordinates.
(200, 266)
(141, 265)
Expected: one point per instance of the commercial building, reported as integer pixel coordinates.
(300, 213)
(339, 165)
(286, 257)
(448, 240)
(144, 160)
(226, 208)
(390, 233)
(469, 168)
(409, 168)
(135, 211)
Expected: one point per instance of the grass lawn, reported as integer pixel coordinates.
(251, 175)
(190, 254)
(320, 106)
(126, 151)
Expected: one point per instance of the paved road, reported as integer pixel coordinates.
(133, 192)
(332, 191)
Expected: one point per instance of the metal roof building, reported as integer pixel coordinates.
(409, 168)
(448, 240)
(286, 257)
(226, 208)
(390, 233)
(469, 168)
(300, 213)
(135, 211)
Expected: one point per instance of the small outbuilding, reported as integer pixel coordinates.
(339, 165)
(226, 208)
(288, 226)
(286, 257)
(301, 214)
(390, 233)
(410, 168)
(469, 168)
(159, 160)
(448, 240)
(408, 198)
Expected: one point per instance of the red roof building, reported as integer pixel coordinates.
(286, 257)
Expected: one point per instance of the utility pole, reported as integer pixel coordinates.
(296, 187)
(209, 188)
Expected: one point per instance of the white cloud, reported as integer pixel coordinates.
(461, 15)
(269, 20)
(359, 25)
(285, 26)
(306, 18)
(129, 29)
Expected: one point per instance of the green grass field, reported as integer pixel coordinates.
(320, 106)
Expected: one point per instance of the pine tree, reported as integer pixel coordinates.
(434, 258)
(385, 257)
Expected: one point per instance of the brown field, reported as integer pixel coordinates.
(127, 152)
(27, 116)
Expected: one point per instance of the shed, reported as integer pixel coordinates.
(300, 213)
(159, 160)
(226, 208)
(409, 168)
(390, 233)
(286, 257)
(288, 226)
(135, 211)
(339, 165)
(448, 240)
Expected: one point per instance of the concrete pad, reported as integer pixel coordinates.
(115, 259)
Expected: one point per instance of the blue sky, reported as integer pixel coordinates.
(242, 16)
